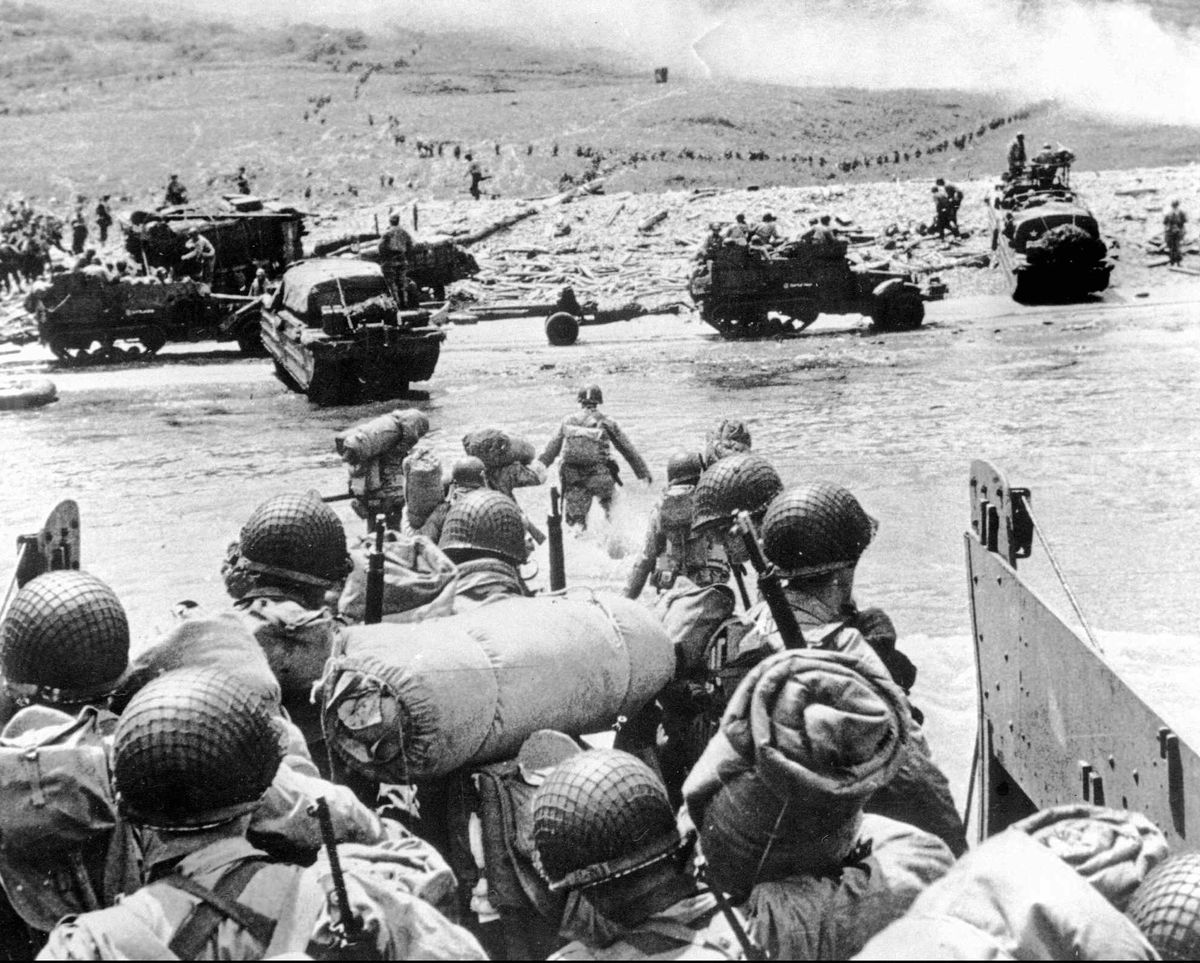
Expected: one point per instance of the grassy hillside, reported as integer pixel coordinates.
(91, 103)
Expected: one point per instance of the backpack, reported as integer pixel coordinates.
(62, 848)
(583, 446)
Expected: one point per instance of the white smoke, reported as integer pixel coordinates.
(1108, 57)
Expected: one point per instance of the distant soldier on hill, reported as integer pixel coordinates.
(242, 181)
(176, 192)
(475, 172)
(1174, 221)
(1016, 155)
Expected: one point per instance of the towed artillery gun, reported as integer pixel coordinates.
(1046, 238)
(738, 288)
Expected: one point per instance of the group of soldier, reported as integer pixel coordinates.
(777, 800)
(26, 237)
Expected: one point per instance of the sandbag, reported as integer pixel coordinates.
(380, 435)
(423, 490)
(413, 703)
(419, 581)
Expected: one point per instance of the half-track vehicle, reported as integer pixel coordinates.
(247, 233)
(737, 289)
(335, 333)
(85, 316)
(1046, 239)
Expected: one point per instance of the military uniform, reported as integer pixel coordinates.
(693, 929)
(1174, 221)
(395, 249)
(1016, 156)
(588, 472)
(671, 550)
(484, 535)
(193, 753)
(201, 250)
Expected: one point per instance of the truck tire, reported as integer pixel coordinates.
(153, 339)
(898, 311)
(250, 342)
(562, 329)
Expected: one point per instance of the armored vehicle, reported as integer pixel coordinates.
(87, 316)
(737, 289)
(247, 233)
(335, 333)
(1046, 239)
(1057, 722)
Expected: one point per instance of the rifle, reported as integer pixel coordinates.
(770, 585)
(349, 930)
(374, 600)
(558, 567)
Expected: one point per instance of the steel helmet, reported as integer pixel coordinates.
(816, 529)
(591, 395)
(730, 437)
(738, 483)
(683, 467)
(297, 538)
(66, 634)
(485, 521)
(600, 815)
(1166, 908)
(195, 748)
(468, 472)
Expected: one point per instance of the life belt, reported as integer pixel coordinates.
(18, 393)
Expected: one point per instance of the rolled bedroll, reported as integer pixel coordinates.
(411, 703)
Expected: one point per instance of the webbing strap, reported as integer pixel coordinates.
(217, 904)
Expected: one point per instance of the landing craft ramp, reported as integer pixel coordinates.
(1057, 724)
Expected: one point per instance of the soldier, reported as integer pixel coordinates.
(729, 437)
(814, 535)
(475, 172)
(778, 798)
(588, 470)
(242, 181)
(941, 203)
(201, 250)
(64, 643)
(671, 550)
(484, 535)
(1016, 155)
(711, 245)
(176, 192)
(194, 753)
(103, 218)
(824, 236)
(467, 475)
(290, 557)
(738, 232)
(766, 233)
(1045, 166)
(604, 832)
(955, 198)
(257, 287)
(395, 249)
(1174, 221)
(79, 231)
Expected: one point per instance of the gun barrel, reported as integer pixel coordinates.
(374, 601)
(558, 564)
(770, 585)
(350, 924)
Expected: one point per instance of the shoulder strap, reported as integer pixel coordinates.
(217, 904)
